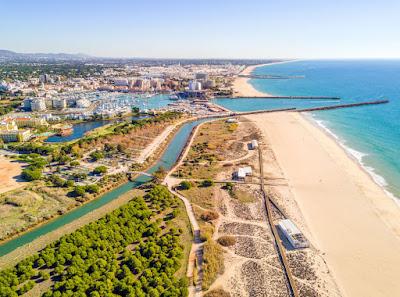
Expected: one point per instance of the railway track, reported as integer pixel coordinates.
(291, 284)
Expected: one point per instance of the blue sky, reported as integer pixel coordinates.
(204, 29)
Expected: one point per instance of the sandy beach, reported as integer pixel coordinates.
(9, 171)
(347, 216)
(242, 87)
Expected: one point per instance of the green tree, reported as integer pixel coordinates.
(100, 170)
(79, 191)
(44, 275)
(93, 188)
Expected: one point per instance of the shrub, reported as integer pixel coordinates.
(227, 240)
(213, 263)
(209, 216)
(31, 174)
(74, 163)
(79, 176)
(218, 293)
(185, 185)
(207, 183)
(229, 187)
(57, 180)
(160, 173)
(69, 183)
(97, 155)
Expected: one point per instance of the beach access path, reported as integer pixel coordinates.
(348, 216)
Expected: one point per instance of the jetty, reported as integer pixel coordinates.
(375, 102)
(291, 97)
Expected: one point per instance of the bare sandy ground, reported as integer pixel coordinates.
(349, 218)
(242, 87)
(9, 171)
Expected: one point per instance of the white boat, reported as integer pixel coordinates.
(173, 97)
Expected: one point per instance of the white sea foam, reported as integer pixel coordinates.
(356, 155)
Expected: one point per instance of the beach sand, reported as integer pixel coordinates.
(242, 87)
(9, 172)
(347, 216)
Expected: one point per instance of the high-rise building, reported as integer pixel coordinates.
(194, 85)
(201, 76)
(44, 78)
(142, 84)
(59, 103)
(38, 104)
(26, 103)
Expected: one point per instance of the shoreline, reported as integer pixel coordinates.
(375, 177)
(338, 200)
(365, 219)
(241, 85)
(354, 155)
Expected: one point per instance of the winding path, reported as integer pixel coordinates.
(197, 247)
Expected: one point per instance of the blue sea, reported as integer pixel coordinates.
(371, 134)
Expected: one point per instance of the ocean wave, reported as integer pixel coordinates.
(358, 156)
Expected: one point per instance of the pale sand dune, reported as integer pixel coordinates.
(9, 171)
(350, 218)
(242, 87)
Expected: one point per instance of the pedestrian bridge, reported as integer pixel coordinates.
(140, 173)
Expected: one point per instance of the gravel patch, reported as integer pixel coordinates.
(250, 247)
(301, 265)
(235, 228)
(262, 280)
(249, 211)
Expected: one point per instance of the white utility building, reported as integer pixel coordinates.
(295, 237)
(243, 172)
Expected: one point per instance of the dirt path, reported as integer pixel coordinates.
(156, 143)
(197, 247)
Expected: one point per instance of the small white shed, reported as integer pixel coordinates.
(253, 144)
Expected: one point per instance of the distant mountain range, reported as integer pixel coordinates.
(6, 55)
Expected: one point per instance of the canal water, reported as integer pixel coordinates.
(79, 131)
(81, 128)
(167, 161)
